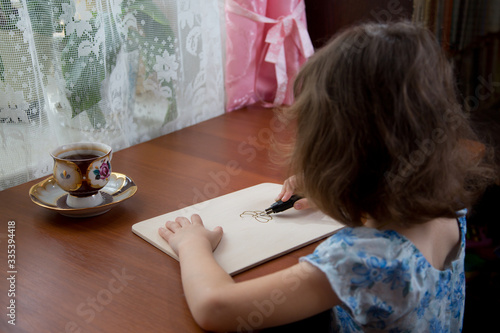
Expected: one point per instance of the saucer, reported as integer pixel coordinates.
(49, 195)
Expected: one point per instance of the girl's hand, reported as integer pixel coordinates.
(289, 188)
(183, 232)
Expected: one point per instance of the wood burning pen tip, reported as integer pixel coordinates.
(280, 206)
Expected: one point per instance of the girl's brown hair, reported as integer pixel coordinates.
(379, 130)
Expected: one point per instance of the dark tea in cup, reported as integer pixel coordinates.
(82, 169)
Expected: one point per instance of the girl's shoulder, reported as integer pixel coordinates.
(381, 277)
(385, 243)
(358, 238)
(362, 245)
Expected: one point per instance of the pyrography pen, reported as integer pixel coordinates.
(280, 206)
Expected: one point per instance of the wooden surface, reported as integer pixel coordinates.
(247, 242)
(94, 274)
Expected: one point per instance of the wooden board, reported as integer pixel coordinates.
(247, 242)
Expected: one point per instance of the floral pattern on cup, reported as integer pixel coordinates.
(104, 170)
(99, 173)
(68, 176)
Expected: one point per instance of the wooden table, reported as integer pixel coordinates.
(94, 274)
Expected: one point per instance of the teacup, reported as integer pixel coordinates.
(82, 169)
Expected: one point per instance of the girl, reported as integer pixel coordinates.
(380, 145)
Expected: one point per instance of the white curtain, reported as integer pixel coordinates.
(114, 71)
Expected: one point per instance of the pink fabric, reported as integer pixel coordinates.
(267, 42)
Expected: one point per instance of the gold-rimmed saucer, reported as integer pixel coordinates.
(49, 195)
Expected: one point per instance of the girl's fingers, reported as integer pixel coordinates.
(182, 221)
(171, 225)
(196, 219)
(216, 237)
(287, 190)
(165, 233)
(301, 204)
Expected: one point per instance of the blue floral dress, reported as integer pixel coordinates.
(385, 283)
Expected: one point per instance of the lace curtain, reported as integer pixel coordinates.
(114, 71)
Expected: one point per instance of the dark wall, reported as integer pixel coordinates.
(326, 17)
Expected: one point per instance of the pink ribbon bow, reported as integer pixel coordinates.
(282, 28)
(292, 27)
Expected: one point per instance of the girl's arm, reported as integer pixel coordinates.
(219, 304)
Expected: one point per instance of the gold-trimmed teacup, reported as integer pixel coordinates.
(82, 169)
